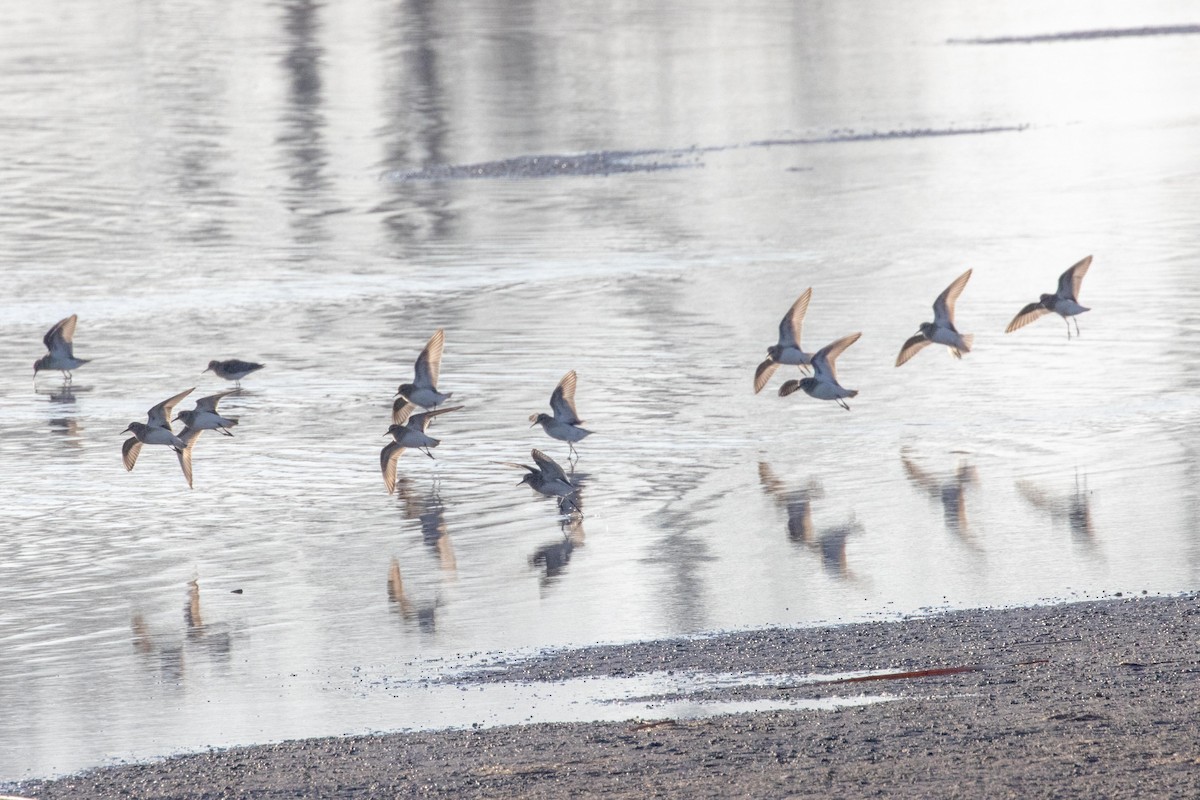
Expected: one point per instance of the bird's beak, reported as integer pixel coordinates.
(519, 483)
(533, 423)
(126, 430)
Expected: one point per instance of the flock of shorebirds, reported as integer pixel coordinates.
(547, 477)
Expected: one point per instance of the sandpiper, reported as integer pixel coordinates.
(59, 340)
(409, 431)
(547, 477)
(233, 369)
(204, 416)
(824, 385)
(155, 430)
(788, 350)
(1064, 302)
(564, 423)
(941, 330)
(423, 390)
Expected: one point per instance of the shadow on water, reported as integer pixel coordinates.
(552, 558)
(426, 508)
(169, 653)
(827, 543)
(423, 612)
(796, 502)
(948, 490)
(1073, 508)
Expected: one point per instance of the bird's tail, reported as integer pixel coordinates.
(852, 393)
(968, 340)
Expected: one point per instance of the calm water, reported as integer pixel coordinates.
(200, 180)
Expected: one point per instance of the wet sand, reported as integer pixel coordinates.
(1092, 699)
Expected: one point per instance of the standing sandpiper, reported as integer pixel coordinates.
(59, 340)
(233, 369)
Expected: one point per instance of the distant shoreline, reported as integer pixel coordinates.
(1093, 699)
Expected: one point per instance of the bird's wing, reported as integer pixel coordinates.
(911, 347)
(387, 463)
(160, 415)
(189, 437)
(823, 361)
(514, 464)
(789, 387)
(562, 402)
(429, 363)
(401, 411)
(1070, 281)
(210, 403)
(549, 467)
(1026, 315)
(943, 307)
(129, 452)
(421, 421)
(793, 320)
(763, 374)
(59, 339)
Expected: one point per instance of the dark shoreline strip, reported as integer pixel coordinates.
(609, 162)
(1077, 36)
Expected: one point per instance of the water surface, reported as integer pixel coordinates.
(321, 186)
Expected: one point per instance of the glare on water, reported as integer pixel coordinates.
(636, 194)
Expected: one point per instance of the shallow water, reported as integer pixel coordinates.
(268, 181)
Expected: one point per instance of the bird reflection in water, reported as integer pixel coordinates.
(552, 558)
(1075, 509)
(63, 397)
(170, 653)
(950, 491)
(428, 510)
(796, 502)
(424, 615)
(830, 542)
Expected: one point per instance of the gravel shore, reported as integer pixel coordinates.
(1092, 699)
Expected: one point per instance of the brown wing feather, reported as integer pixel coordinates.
(387, 464)
(430, 360)
(950, 296)
(793, 321)
(129, 452)
(1072, 280)
(401, 411)
(912, 346)
(763, 374)
(1026, 315)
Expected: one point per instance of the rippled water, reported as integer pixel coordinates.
(637, 194)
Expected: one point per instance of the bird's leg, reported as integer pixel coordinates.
(573, 458)
(843, 404)
(1068, 321)
(225, 431)
(425, 450)
(1076, 327)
